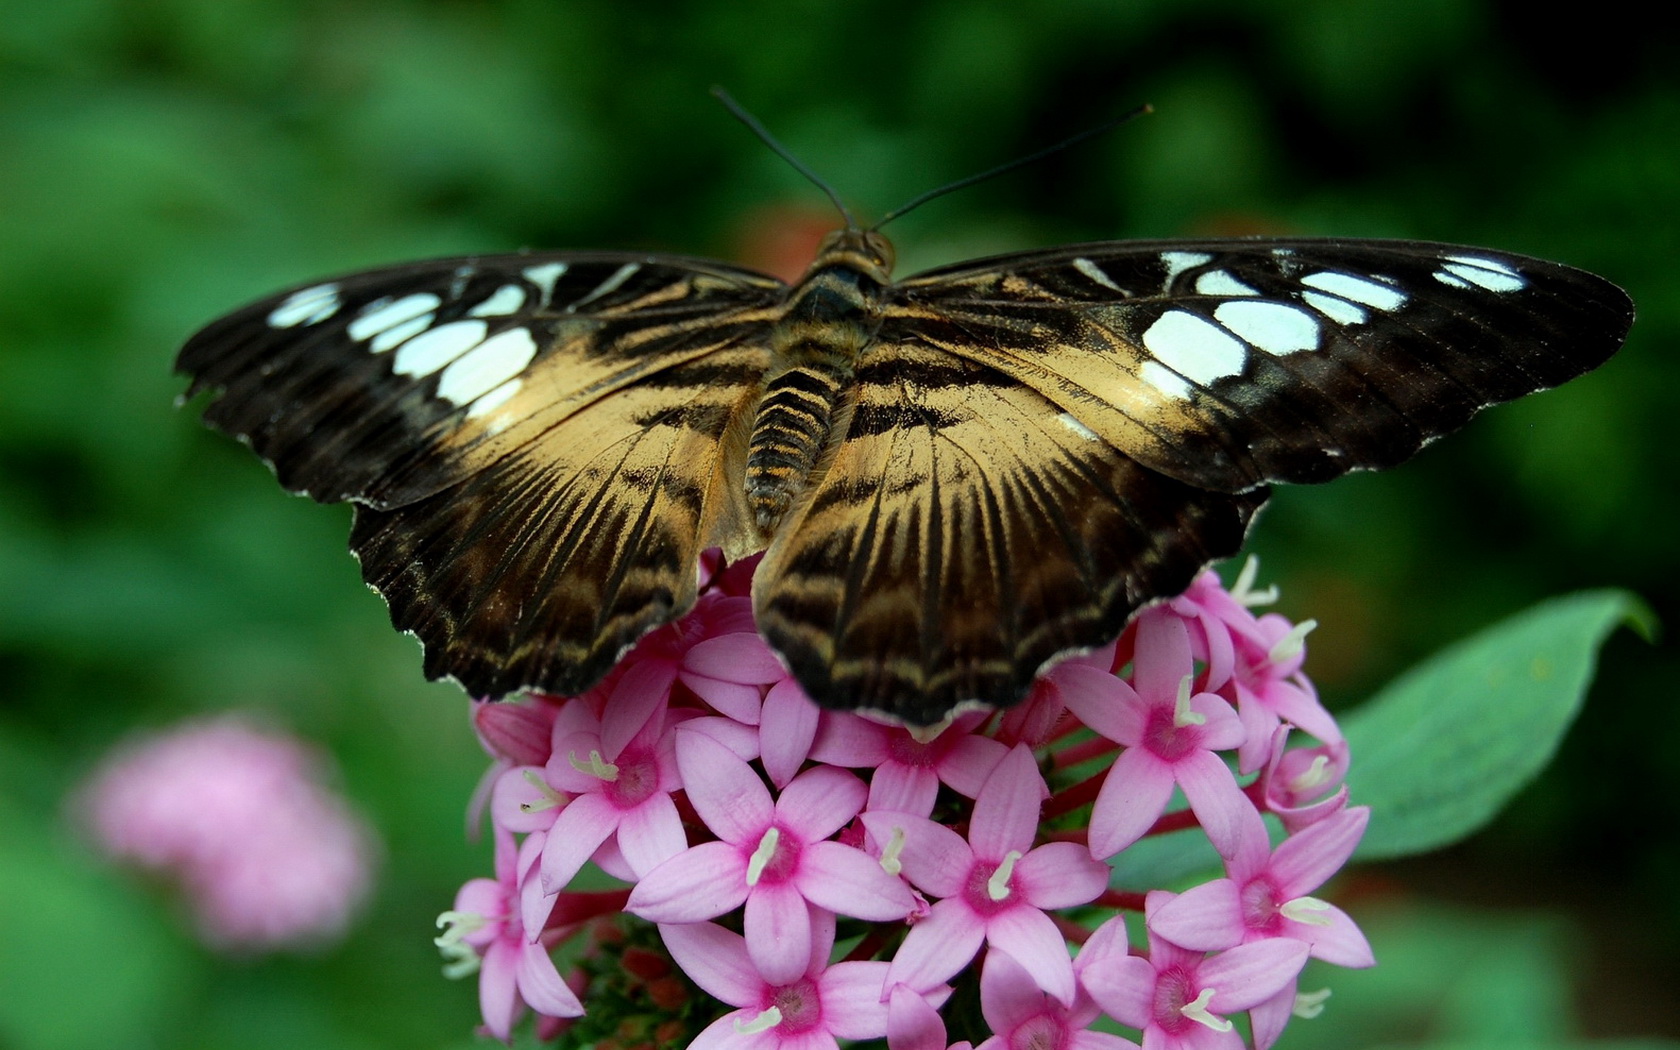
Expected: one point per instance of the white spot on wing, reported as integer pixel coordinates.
(1490, 274)
(384, 315)
(508, 299)
(1177, 262)
(1452, 282)
(1220, 282)
(425, 354)
(1363, 290)
(1339, 310)
(1079, 428)
(1194, 347)
(1164, 379)
(401, 333)
(306, 306)
(489, 365)
(544, 276)
(1095, 273)
(1276, 328)
(608, 286)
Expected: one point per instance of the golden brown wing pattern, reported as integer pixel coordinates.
(966, 532)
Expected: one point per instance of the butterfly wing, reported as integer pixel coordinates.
(537, 444)
(966, 532)
(1228, 364)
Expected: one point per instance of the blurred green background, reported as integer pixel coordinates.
(162, 162)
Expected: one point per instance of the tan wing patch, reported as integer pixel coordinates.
(539, 567)
(966, 532)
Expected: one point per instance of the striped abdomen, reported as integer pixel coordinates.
(791, 431)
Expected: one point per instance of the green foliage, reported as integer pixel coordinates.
(1440, 752)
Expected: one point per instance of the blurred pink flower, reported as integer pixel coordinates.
(267, 857)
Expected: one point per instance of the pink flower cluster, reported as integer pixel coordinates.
(266, 856)
(757, 833)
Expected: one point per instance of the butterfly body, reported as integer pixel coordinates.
(957, 478)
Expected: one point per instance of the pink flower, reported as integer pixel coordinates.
(771, 856)
(1266, 895)
(483, 930)
(907, 771)
(1025, 1018)
(996, 886)
(1303, 785)
(820, 1006)
(621, 792)
(1170, 737)
(266, 855)
(1182, 1000)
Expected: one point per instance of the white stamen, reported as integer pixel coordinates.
(1243, 591)
(550, 797)
(1316, 775)
(763, 855)
(1198, 1012)
(1309, 1005)
(889, 856)
(459, 958)
(762, 1023)
(1183, 717)
(997, 887)
(596, 767)
(1290, 645)
(1309, 911)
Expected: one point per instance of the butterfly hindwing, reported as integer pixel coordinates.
(966, 532)
(1229, 364)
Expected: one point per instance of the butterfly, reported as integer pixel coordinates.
(957, 478)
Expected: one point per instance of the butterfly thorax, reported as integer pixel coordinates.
(831, 316)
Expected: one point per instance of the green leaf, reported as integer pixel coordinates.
(1440, 750)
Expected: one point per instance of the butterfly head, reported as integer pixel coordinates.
(863, 250)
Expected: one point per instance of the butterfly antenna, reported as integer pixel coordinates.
(781, 151)
(1019, 162)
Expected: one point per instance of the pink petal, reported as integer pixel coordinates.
(1005, 814)
(1340, 943)
(724, 790)
(498, 988)
(820, 802)
(1060, 875)
(853, 999)
(1120, 717)
(651, 834)
(540, 984)
(643, 689)
(788, 725)
(937, 947)
(741, 739)
(1269, 1019)
(1008, 993)
(740, 703)
(716, 960)
(1305, 861)
(584, 824)
(1124, 986)
(1162, 655)
(969, 762)
(936, 859)
(1214, 796)
(778, 928)
(1249, 974)
(844, 739)
(1223, 730)
(912, 1022)
(1206, 918)
(1089, 1040)
(1132, 798)
(1033, 939)
(851, 882)
(907, 789)
(741, 657)
(700, 883)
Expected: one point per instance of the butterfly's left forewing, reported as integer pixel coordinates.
(539, 447)
(1229, 364)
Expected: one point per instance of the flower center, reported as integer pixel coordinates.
(775, 858)
(1178, 1002)
(638, 777)
(988, 891)
(800, 1006)
(1259, 899)
(1172, 733)
(1039, 1032)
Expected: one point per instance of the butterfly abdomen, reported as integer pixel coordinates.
(791, 430)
